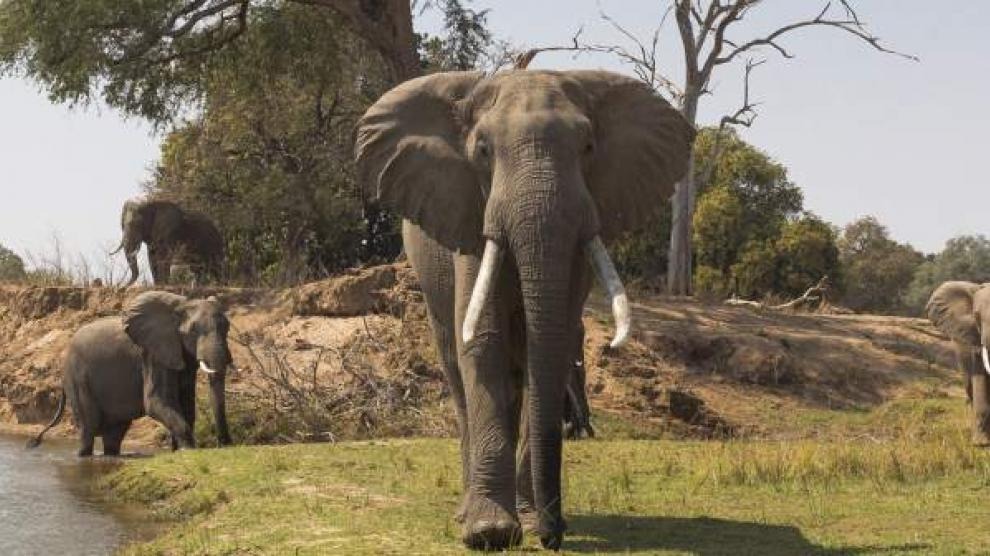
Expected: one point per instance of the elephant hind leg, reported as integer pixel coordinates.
(86, 440)
(113, 437)
(86, 415)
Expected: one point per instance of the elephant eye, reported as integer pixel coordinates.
(484, 150)
(589, 148)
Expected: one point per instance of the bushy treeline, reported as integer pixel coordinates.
(754, 238)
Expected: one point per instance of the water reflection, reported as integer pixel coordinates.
(48, 504)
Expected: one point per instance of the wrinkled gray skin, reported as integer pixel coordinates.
(961, 310)
(539, 163)
(145, 363)
(173, 235)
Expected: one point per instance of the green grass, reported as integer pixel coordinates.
(907, 496)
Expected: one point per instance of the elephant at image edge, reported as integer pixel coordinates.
(961, 310)
(507, 185)
(121, 368)
(172, 235)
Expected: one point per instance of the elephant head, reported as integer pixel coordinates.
(179, 335)
(961, 310)
(536, 169)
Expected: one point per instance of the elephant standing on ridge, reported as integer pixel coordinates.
(961, 310)
(508, 184)
(173, 235)
(145, 363)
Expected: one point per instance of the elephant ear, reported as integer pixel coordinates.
(410, 155)
(152, 321)
(642, 149)
(951, 310)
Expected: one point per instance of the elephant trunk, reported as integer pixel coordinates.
(546, 289)
(218, 399)
(131, 249)
(214, 360)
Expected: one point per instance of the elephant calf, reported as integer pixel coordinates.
(961, 310)
(121, 368)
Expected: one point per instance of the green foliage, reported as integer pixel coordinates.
(877, 270)
(963, 258)
(465, 43)
(642, 255)
(11, 266)
(750, 236)
(719, 219)
(806, 251)
(755, 273)
(745, 203)
(148, 60)
(269, 157)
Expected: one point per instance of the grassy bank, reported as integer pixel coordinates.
(906, 496)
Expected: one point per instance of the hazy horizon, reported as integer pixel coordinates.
(860, 132)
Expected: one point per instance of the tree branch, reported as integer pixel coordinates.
(853, 26)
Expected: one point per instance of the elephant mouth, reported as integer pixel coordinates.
(600, 261)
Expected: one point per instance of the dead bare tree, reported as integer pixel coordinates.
(704, 26)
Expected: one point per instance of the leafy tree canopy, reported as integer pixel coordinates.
(963, 258)
(877, 269)
(11, 265)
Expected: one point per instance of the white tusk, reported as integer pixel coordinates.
(205, 368)
(986, 360)
(609, 277)
(490, 261)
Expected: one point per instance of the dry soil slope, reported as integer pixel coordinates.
(360, 340)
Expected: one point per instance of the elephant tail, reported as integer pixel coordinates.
(36, 441)
(119, 248)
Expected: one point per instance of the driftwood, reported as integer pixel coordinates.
(815, 295)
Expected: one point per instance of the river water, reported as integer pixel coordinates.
(48, 504)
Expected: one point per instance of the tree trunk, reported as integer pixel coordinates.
(679, 263)
(679, 256)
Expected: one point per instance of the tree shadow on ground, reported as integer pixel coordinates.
(702, 536)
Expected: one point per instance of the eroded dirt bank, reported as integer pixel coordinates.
(351, 357)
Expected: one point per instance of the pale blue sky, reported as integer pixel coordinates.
(862, 133)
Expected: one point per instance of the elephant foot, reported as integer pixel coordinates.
(488, 526)
(85, 452)
(551, 531)
(981, 439)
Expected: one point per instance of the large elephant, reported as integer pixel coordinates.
(120, 368)
(962, 311)
(507, 185)
(173, 235)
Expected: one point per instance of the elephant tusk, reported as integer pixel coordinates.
(609, 277)
(205, 368)
(986, 360)
(490, 261)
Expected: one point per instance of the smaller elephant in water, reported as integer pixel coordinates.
(961, 310)
(174, 236)
(121, 368)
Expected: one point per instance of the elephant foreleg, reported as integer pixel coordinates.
(159, 406)
(113, 437)
(490, 517)
(979, 384)
(159, 262)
